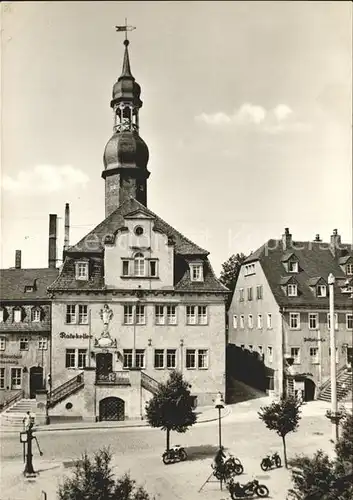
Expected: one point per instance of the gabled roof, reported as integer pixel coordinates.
(343, 260)
(93, 241)
(316, 262)
(14, 281)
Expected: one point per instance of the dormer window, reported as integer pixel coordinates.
(35, 315)
(292, 266)
(29, 288)
(17, 315)
(82, 271)
(292, 290)
(196, 272)
(349, 269)
(321, 291)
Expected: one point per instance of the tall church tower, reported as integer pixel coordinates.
(126, 154)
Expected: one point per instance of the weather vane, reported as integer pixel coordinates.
(125, 28)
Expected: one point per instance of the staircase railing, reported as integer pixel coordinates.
(11, 400)
(327, 384)
(65, 389)
(149, 383)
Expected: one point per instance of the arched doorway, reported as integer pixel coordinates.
(35, 380)
(111, 409)
(309, 389)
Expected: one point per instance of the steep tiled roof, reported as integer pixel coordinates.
(315, 261)
(66, 279)
(14, 281)
(93, 241)
(210, 282)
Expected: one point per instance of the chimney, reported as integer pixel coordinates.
(335, 243)
(286, 239)
(318, 239)
(18, 259)
(52, 241)
(67, 227)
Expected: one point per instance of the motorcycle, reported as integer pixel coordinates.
(175, 454)
(248, 490)
(271, 461)
(231, 466)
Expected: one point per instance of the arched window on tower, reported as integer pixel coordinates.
(139, 265)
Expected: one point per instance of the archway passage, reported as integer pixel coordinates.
(309, 390)
(35, 380)
(111, 409)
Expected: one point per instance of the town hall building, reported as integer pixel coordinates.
(135, 298)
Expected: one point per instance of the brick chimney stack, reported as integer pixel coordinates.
(52, 240)
(318, 239)
(67, 227)
(286, 239)
(18, 259)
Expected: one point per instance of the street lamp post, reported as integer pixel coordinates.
(219, 404)
(333, 414)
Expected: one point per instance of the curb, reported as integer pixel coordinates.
(227, 411)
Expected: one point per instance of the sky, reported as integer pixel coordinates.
(247, 113)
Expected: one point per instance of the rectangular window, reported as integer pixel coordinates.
(153, 268)
(71, 314)
(196, 272)
(70, 358)
(349, 321)
(235, 321)
(241, 294)
(269, 354)
(190, 358)
(259, 292)
(260, 350)
(82, 270)
(329, 322)
(83, 314)
(16, 378)
(42, 344)
(81, 358)
(321, 291)
(140, 358)
(292, 290)
(337, 355)
(259, 321)
(292, 266)
(191, 317)
(128, 315)
(35, 315)
(250, 293)
(17, 315)
(269, 320)
(159, 358)
(242, 321)
(2, 343)
(295, 354)
(171, 358)
(313, 321)
(140, 315)
(127, 358)
(24, 344)
(202, 315)
(171, 315)
(294, 321)
(126, 267)
(314, 355)
(2, 378)
(349, 269)
(202, 358)
(159, 315)
(250, 321)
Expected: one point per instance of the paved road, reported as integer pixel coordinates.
(139, 451)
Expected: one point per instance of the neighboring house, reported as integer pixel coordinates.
(280, 310)
(25, 326)
(135, 298)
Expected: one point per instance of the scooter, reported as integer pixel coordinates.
(251, 489)
(271, 461)
(175, 454)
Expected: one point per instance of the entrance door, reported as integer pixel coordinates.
(35, 380)
(309, 389)
(112, 409)
(104, 365)
(349, 357)
(16, 378)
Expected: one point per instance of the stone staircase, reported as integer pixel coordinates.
(344, 386)
(14, 415)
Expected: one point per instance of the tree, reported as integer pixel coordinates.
(283, 417)
(319, 477)
(230, 273)
(93, 480)
(171, 407)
